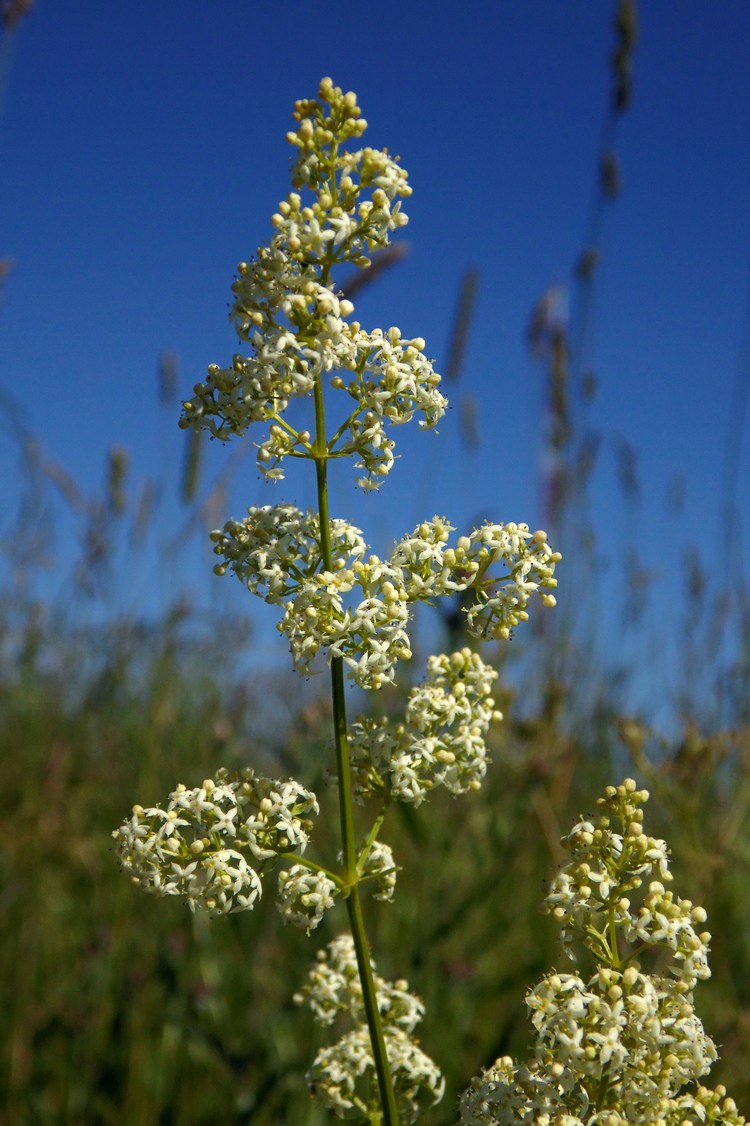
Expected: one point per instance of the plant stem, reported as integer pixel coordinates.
(346, 807)
(377, 1040)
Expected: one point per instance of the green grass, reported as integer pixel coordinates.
(119, 1008)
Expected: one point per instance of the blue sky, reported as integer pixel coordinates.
(142, 148)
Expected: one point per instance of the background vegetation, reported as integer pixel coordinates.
(120, 1009)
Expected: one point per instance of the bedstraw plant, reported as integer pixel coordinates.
(217, 844)
(316, 386)
(623, 1045)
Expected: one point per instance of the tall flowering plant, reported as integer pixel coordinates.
(216, 845)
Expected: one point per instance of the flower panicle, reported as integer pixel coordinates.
(342, 1076)
(622, 1047)
(616, 877)
(210, 844)
(359, 610)
(301, 357)
(287, 309)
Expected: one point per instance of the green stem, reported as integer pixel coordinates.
(615, 954)
(369, 996)
(364, 852)
(346, 805)
(602, 1089)
(311, 866)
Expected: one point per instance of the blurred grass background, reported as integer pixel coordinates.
(117, 1008)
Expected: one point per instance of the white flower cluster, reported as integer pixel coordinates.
(276, 548)
(509, 1094)
(393, 381)
(441, 741)
(210, 844)
(359, 610)
(615, 1050)
(342, 1077)
(287, 309)
(592, 893)
(380, 866)
(359, 223)
(304, 896)
(430, 567)
(367, 630)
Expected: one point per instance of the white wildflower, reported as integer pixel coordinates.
(380, 866)
(304, 896)
(620, 1047)
(342, 1077)
(210, 844)
(442, 739)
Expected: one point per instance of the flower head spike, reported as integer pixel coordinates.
(621, 1046)
(288, 310)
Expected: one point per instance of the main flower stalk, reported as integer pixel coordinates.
(346, 805)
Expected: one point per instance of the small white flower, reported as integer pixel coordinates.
(304, 896)
(201, 845)
(381, 866)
